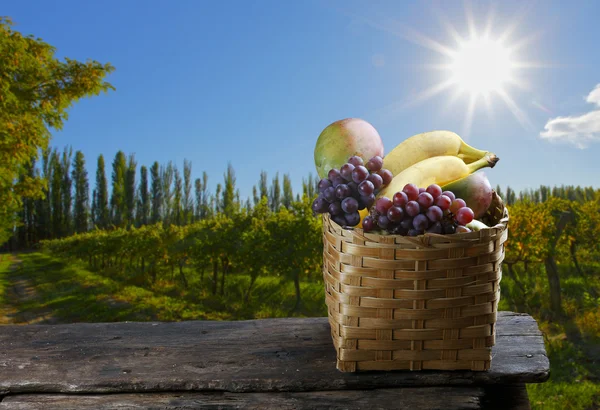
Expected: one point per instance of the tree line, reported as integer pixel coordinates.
(133, 196)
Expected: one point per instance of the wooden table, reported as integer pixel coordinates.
(269, 363)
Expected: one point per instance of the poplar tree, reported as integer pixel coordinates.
(117, 199)
(81, 206)
(143, 207)
(56, 195)
(288, 195)
(177, 197)
(101, 212)
(156, 193)
(187, 202)
(130, 190)
(166, 177)
(229, 207)
(66, 191)
(275, 197)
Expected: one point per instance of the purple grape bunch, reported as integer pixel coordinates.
(415, 211)
(350, 189)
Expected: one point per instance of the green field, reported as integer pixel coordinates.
(60, 291)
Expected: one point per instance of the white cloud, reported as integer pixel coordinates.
(579, 130)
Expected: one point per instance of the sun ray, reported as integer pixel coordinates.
(450, 102)
(470, 20)
(469, 117)
(429, 93)
(515, 110)
(458, 39)
(525, 41)
(487, 31)
(516, 22)
(487, 100)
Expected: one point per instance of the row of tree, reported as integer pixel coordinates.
(159, 194)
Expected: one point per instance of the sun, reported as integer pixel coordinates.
(481, 66)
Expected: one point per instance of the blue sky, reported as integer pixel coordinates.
(254, 82)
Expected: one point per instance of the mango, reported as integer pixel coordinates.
(475, 190)
(343, 139)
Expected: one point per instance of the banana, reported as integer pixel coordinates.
(427, 145)
(439, 170)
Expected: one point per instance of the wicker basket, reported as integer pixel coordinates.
(414, 303)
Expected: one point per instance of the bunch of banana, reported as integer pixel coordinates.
(436, 157)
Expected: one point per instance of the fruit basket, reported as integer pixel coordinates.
(414, 303)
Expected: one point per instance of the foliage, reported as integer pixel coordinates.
(36, 91)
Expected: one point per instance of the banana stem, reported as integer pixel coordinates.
(489, 160)
(469, 154)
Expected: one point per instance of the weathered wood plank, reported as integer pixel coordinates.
(417, 398)
(243, 356)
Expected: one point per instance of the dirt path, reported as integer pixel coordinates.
(18, 293)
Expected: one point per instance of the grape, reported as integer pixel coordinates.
(386, 175)
(412, 208)
(449, 228)
(352, 218)
(355, 160)
(359, 174)
(462, 229)
(435, 228)
(350, 205)
(335, 208)
(420, 222)
(464, 215)
(450, 195)
(395, 214)
(354, 187)
(425, 200)
(368, 200)
(421, 190)
(342, 191)
(329, 194)
(333, 173)
(338, 180)
(366, 188)
(443, 202)
(407, 223)
(400, 199)
(398, 230)
(383, 204)
(413, 232)
(346, 171)
(320, 205)
(368, 223)
(339, 219)
(376, 180)
(434, 190)
(456, 205)
(375, 163)
(383, 222)
(435, 213)
(324, 184)
(411, 191)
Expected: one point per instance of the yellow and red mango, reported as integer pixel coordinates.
(475, 190)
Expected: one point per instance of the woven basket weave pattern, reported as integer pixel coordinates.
(405, 303)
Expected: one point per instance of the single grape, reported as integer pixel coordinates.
(366, 188)
(414, 232)
(412, 208)
(449, 228)
(329, 194)
(320, 205)
(435, 228)
(350, 205)
(425, 199)
(338, 180)
(395, 214)
(368, 223)
(339, 219)
(407, 223)
(464, 215)
(421, 190)
(352, 219)
(411, 191)
(420, 222)
(383, 222)
(450, 195)
(376, 180)
(400, 199)
(386, 175)
(346, 171)
(335, 208)
(368, 200)
(324, 184)
(375, 163)
(462, 229)
(383, 204)
(435, 190)
(342, 191)
(443, 202)
(333, 173)
(356, 160)
(359, 174)
(456, 205)
(434, 213)
(354, 187)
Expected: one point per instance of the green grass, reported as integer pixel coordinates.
(5, 262)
